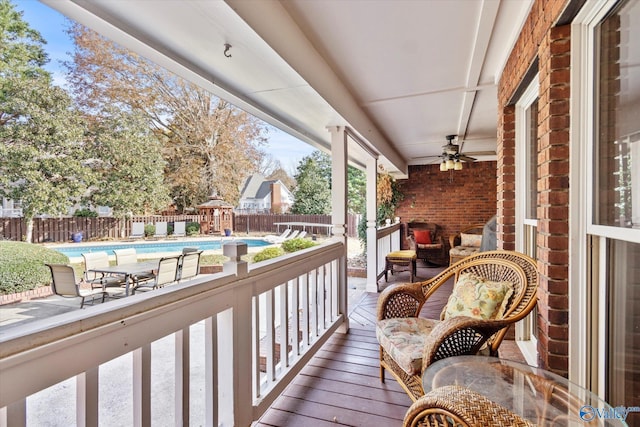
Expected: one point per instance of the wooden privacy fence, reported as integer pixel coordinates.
(61, 229)
(265, 223)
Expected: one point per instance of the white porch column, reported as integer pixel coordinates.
(372, 240)
(339, 212)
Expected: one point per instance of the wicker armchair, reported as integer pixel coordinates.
(431, 339)
(459, 249)
(424, 250)
(459, 407)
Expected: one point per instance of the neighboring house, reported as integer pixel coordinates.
(260, 195)
(10, 209)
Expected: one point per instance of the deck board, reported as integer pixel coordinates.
(340, 386)
(341, 383)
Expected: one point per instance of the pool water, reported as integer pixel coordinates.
(75, 251)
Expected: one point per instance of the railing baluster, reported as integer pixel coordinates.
(284, 327)
(256, 380)
(87, 398)
(322, 297)
(313, 305)
(304, 303)
(270, 337)
(211, 371)
(142, 386)
(182, 368)
(295, 316)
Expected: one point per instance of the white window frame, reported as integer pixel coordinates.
(587, 247)
(525, 340)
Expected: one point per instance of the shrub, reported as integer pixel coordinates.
(85, 213)
(149, 230)
(268, 253)
(293, 245)
(192, 228)
(22, 266)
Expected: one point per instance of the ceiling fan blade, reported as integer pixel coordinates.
(426, 157)
(481, 153)
(466, 158)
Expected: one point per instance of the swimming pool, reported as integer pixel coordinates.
(75, 251)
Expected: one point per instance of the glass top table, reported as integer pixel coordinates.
(537, 395)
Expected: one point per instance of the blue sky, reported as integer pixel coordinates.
(51, 24)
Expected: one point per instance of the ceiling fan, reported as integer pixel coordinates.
(452, 155)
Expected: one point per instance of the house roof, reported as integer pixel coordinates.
(258, 187)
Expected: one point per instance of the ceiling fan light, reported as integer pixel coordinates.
(443, 167)
(449, 164)
(457, 165)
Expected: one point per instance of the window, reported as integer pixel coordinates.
(616, 191)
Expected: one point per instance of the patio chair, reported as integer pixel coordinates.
(189, 265)
(130, 256)
(302, 235)
(277, 239)
(64, 283)
(459, 406)
(99, 280)
(161, 229)
(167, 273)
(426, 239)
(137, 230)
(179, 229)
(507, 282)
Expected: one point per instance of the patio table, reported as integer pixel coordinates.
(535, 394)
(128, 271)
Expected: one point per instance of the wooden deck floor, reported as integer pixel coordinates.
(341, 384)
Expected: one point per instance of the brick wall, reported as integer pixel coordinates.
(540, 39)
(431, 196)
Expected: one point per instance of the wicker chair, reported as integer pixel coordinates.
(459, 249)
(457, 335)
(425, 250)
(459, 407)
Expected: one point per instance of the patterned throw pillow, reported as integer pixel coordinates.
(423, 237)
(478, 297)
(472, 240)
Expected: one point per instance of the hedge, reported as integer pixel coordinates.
(22, 266)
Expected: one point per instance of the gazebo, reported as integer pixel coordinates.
(217, 216)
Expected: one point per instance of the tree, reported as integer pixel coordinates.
(129, 165)
(316, 168)
(209, 145)
(42, 153)
(313, 193)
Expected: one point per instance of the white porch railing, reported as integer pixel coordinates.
(186, 354)
(388, 240)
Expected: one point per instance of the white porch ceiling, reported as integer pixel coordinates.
(401, 74)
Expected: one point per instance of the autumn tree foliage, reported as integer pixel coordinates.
(208, 144)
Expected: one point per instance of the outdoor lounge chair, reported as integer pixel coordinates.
(161, 229)
(277, 239)
(179, 229)
(64, 283)
(99, 280)
(293, 235)
(507, 282)
(167, 273)
(137, 230)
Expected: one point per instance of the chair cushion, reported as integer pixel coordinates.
(463, 251)
(402, 255)
(423, 237)
(478, 297)
(403, 339)
(473, 240)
